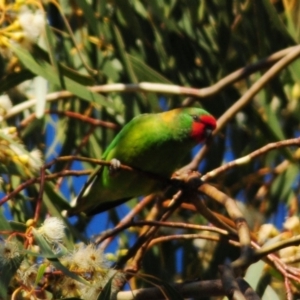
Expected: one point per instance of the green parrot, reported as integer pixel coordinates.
(154, 143)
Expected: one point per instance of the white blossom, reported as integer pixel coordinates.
(10, 132)
(32, 23)
(5, 105)
(28, 273)
(89, 258)
(53, 230)
(292, 224)
(8, 251)
(35, 161)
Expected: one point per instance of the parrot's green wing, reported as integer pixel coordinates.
(104, 190)
(90, 194)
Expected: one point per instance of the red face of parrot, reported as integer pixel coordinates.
(202, 127)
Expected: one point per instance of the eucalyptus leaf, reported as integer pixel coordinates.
(42, 68)
(47, 252)
(106, 292)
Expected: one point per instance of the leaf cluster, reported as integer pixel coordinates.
(81, 81)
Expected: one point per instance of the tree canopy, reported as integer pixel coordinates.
(73, 73)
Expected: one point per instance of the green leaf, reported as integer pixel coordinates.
(54, 199)
(254, 273)
(51, 49)
(12, 79)
(4, 224)
(63, 70)
(146, 73)
(270, 294)
(281, 187)
(130, 72)
(124, 56)
(268, 124)
(276, 22)
(48, 256)
(89, 15)
(40, 273)
(44, 69)
(106, 292)
(8, 271)
(112, 69)
(17, 226)
(76, 76)
(47, 252)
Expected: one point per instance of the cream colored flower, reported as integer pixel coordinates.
(35, 161)
(32, 22)
(10, 132)
(89, 258)
(53, 230)
(5, 105)
(8, 251)
(99, 282)
(292, 224)
(28, 273)
(71, 287)
(266, 232)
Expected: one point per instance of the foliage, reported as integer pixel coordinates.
(71, 83)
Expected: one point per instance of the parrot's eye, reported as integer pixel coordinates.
(195, 118)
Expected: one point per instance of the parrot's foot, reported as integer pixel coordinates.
(114, 166)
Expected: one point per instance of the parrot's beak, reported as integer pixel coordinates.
(208, 132)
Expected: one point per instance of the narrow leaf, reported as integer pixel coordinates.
(45, 70)
(89, 16)
(146, 73)
(7, 273)
(106, 292)
(40, 273)
(4, 224)
(11, 80)
(47, 252)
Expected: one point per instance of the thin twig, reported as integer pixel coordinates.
(195, 289)
(63, 17)
(247, 158)
(32, 181)
(40, 196)
(74, 115)
(190, 236)
(139, 249)
(104, 237)
(236, 215)
(120, 227)
(75, 152)
(293, 241)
